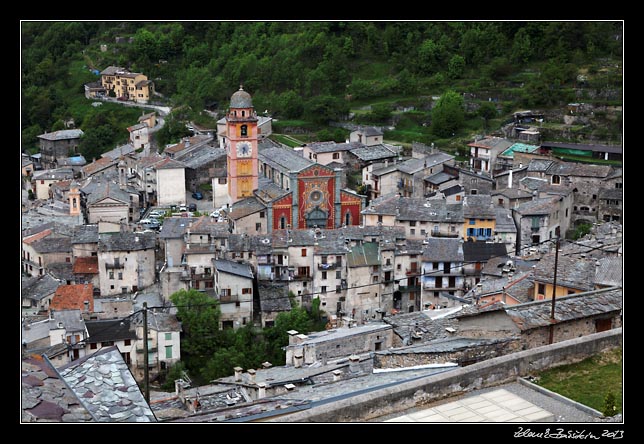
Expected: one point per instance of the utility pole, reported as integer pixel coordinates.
(146, 375)
(554, 293)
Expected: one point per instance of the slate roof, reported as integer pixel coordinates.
(245, 207)
(574, 272)
(430, 329)
(109, 330)
(332, 147)
(512, 193)
(62, 135)
(98, 164)
(537, 207)
(363, 255)
(208, 225)
(610, 271)
(36, 236)
(274, 298)
(45, 397)
(373, 152)
(478, 174)
(370, 131)
(539, 165)
(57, 174)
(520, 286)
(85, 234)
(568, 308)
(38, 287)
(579, 169)
(168, 164)
(200, 156)
(62, 271)
(410, 246)
(611, 193)
(437, 249)
(147, 161)
(297, 238)
(241, 99)
(413, 165)
(283, 159)
(482, 251)
(493, 143)
(72, 320)
(259, 244)
(231, 267)
(338, 334)
(106, 189)
(478, 206)
(175, 227)
(138, 126)
(52, 244)
(416, 208)
(504, 221)
(439, 178)
(269, 190)
(68, 297)
(112, 70)
(119, 151)
(127, 241)
(107, 389)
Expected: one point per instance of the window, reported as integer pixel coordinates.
(338, 288)
(423, 232)
(111, 275)
(412, 232)
(336, 155)
(323, 289)
(412, 295)
(412, 223)
(258, 226)
(208, 284)
(374, 279)
(618, 185)
(261, 214)
(556, 180)
(398, 267)
(473, 192)
(474, 180)
(380, 219)
(541, 289)
(93, 346)
(168, 352)
(107, 343)
(472, 221)
(303, 252)
(594, 197)
(247, 291)
(244, 130)
(338, 274)
(120, 276)
(222, 181)
(324, 275)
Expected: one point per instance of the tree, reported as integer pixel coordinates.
(199, 315)
(456, 66)
(487, 110)
(448, 114)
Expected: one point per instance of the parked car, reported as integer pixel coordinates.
(156, 213)
(192, 207)
(215, 214)
(197, 195)
(183, 208)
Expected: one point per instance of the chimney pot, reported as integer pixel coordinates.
(251, 375)
(238, 373)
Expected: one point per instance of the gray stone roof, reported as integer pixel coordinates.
(258, 244)
(373, 152)
(45, 397)
(610, 271)
(332, 147)
(127, 241)
(512, 193)
(105, 189)
(269, 190)
(202, 154)
(62, 135)
(504, 221)
(109, 330)
(245, 207)
(494, 143)
(437, 249)
(579, 306)
(226, 266)
(363, 255)
(169, 164)
(296, 238)
(62, 270)
(175, 227)
(478, 206)
(72, 320)
(520, 286)
(574, 272)
(537, 207)
(482, 251)
(445, 345)
(539, 165)
(85, 234)
(439, 178)
(416, 208)
(579, 169)
(50, 244)
(413, 165)
(38, 287)
(370, 131)
(208, 225)
(57, 174)
(341, 333)
(420, 321)
(274, 297)
(159, 321)
(283, 159)
(107, 389)
(611, 193)
(478, 174)
(119, 151)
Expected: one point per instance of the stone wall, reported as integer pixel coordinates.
(483, 374)
(410, 356)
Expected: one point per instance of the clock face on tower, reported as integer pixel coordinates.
(244, 149)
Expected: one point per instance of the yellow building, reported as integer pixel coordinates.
(574, 275)
(479, 217)
(127, 85)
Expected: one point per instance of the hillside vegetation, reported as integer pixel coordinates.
(322, 72)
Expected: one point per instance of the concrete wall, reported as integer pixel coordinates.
(171, 186)
(483, 374)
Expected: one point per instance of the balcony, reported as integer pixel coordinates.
(302, 277)
(329, 266)
(234, 298)
(201, 276)
(408, 288)
(412, 271)
(151, 364)
(115, 265)
(139, 349)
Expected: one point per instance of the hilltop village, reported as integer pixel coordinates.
(430, 264)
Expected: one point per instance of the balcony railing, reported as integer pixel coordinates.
(139, 349)
(408, 288)
(302, 277)
(410, 271)
(329, 266)
(114, 266)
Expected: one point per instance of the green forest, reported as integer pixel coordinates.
(312, 73)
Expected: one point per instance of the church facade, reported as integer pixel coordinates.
(289, 190)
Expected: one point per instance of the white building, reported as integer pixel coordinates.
(171, 183)
(126, 262)
(234, 285)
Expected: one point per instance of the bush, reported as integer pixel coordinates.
(610, 408)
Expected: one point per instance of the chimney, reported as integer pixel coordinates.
(300, 338)
(266, 364)
(291, 337)
(298, 357)
(238, 374)
(336, 375)
(86, 304)
(261, 390)
(354, 364)
(251, 375)
(510, 179)
(289, 387)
